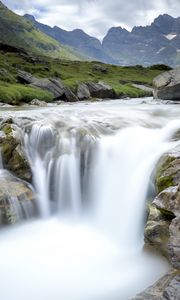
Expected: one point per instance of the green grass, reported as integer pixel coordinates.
(71, 73)
(17, 93)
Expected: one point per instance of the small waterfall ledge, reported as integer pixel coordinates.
(83, 178)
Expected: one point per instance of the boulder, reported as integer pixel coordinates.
(98, 90)
(83, 92)
(100, 68)
(167, 85)
(17, 199)
(55, 86)
(168, 202)
(13, 156)
(37, 102)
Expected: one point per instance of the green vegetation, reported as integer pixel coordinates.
(17, 93)
(19, 32)
(70, 72)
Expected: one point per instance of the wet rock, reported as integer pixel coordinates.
(17, 199)
(174, 242)
(167, 85)
(55, 86)
(13, 156)
(163, 226)
(37, 102)
(157, 230)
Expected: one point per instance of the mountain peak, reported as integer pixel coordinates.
(163, 23)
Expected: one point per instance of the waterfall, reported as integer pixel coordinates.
(92, 175)
(113, 170)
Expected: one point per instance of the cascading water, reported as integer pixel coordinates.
(91, 170)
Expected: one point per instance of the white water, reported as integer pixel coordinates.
(92, 168)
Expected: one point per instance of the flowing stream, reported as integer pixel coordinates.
(92, 170)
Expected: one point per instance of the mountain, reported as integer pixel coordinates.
(19, 32)
(77, 39)
(158, 43)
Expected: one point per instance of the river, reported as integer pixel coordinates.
(93, 167)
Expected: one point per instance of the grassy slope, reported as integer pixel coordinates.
(72, 73)
(17, 31)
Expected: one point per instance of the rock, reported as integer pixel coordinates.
(37, 102)
(163, 226)
(99, 68)
(174, 242)
(100, 90)
(55, 86)
(165, 288)
(83, 92)
(168, 202)
(168, 171)
(156, 231)
(172, 291)
(13, 155)
(17, 199)
(144, 88)
(167, 85)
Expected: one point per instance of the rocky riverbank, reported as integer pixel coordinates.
(162, 231)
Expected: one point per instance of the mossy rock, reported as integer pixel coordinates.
(168, 172)
(13, 156)
(17, 199)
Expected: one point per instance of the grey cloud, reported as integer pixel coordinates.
(96, 16)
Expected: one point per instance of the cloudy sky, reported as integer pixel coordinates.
(95, 16)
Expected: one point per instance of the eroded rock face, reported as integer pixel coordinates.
(17, 199)
(167, 85)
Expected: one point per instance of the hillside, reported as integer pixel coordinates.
(71, 73)
(77, 39)
(19, 32)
